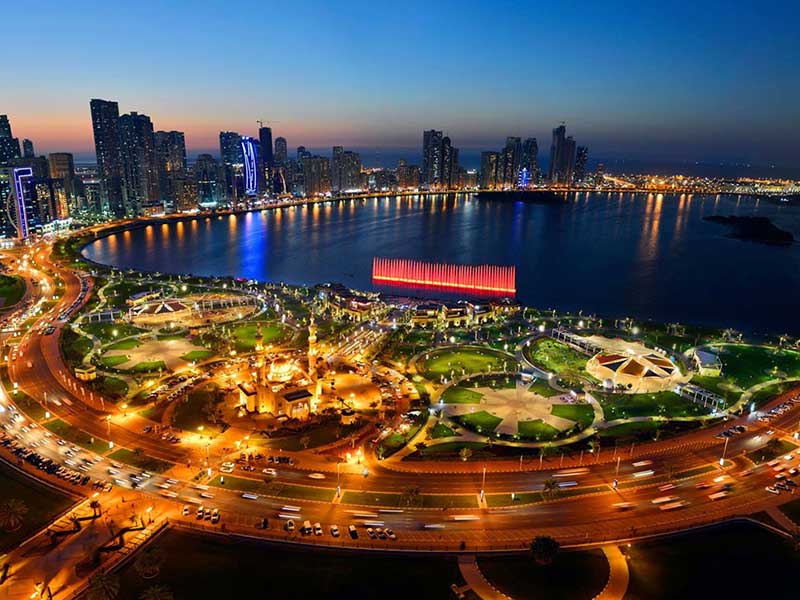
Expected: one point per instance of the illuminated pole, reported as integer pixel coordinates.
(724, 451)
(483, 482)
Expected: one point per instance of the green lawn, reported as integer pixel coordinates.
(197, 355)
(318, 434)
(582, 414)
(244, 336)
(239, 483)
(664, 404)
(74, 346)
(480, 421)
(148, 366)
(74, 435)
(111, 386)
(542, 388)
(105, 331)
(440, 430)
(389, 499)
(537, 430)
(12, 288)
(771, 391)
(112, 361)
(128, 344)
(43, 504)
(438, 363)
(140, 461)
(556, 357)
(772, 450)
(460, 395)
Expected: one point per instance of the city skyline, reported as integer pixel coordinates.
(632, 96)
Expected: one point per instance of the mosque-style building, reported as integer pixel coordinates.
(280, 387)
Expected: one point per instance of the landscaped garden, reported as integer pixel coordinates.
(658, 404)
(12, 288)
(464, 360)
(557, 357)
(244, 335)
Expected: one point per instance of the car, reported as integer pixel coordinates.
(772, 490)
(371, 533)
(335, 530)
(306, 530)
(185, 510)
(317, 528)
(226, 467)
(353, 532)
(316, 476)
(207, 514)
(391, 534)
(215, 515)
(200, 511)
(289, 526)
(270, 471)
(380, 533)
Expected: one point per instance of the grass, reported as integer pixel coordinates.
(468, 360)
(774, 390)
(460, 395)
(542, 388)
(772, 450)
(582, 414)
(111, 386)
(423, 501)
(74, 435)
(244, 336)
(111, 362)
(521, 577)
(197, 355)
(286, 572)
(660, 404)
(537, 430)
(105, 331)
(239, 483)
(148, 366)
(43, 504)
(140, 461)
(556, 357)
(440, 430)
(12, 288)
(480, 421)
(647, 430)
(27, 405)
(74, 346)
(128, 344)
(318, 435)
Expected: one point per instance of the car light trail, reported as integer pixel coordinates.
(481, 278)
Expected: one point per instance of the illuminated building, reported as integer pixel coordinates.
(316, 176)
(22, 200)
(170, 156)
(27, 149)
(62, 166)
(511, 157)
(281, 155)
(209, 181)
(140, 173)
(9, 145)
(581, 158)
(431, 157)
(408, 176)
(230, 151)
(267, 160)
(105, 125)
(530, 159)
(488, 174)
(562, 157)
(251, 160)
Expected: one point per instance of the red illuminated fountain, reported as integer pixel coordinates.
(485, 279)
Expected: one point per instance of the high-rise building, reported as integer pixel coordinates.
(345, 170)
(281, 155)
(27, 149)
(530, 159)
(252, 161)
(105, 125)
(302, 153)
(512, 156)
(140, 172)
(316, 175)
(209, 178)
(267, 157)
(449, 171)
(9, 145)
(230, 151)
(431, 157)
(562, 157)
(581, 158)
(407, 176)
(170, 156)
(490, 163)
(62, 166)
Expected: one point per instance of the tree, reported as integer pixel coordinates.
(551, 487)
(95, 506)
(465, 453)
(103, 587)
(305, 441)
(12, 514)
(148, 563)
(157, 592)
(544, 549)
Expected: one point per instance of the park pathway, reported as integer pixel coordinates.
(781, 519)
(468, 565)
(618, 574)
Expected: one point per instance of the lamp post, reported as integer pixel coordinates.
(724, 451)
(483, 482)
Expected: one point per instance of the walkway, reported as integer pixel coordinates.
(618, 574)
(471, 573)
(781, 519)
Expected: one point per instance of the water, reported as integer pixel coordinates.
(647, 256)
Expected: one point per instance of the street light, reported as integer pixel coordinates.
(724, 450)
(483, 482)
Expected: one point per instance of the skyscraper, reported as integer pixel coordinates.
(62, 166)
(281, 154)
(139, 168)
(581, 158)
(512, 155)
(407, 175)
(345, 170)
(489, 170)
(562, 156)
(27, 149)
(252, 161)
(105, 125)
(446, 171)
(316, 175)
(209, 181)
(431, 157)
(267, 157)
(530, 158)
(9, 145)
(170, 156)
(230, 151)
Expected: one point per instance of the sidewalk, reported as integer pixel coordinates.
(618, 575)
(472, 574)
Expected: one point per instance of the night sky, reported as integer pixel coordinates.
(678, 80)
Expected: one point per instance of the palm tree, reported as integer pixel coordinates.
(12, 514)
(103, 587)
(156, 592)
(551, 487)
(544, 549)
(148, 563)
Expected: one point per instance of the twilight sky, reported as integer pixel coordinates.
(676, 80)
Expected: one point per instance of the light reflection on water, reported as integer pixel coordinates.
(650, 256)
